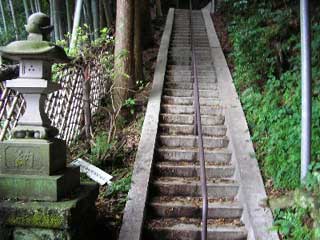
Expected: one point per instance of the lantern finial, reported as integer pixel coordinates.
(39, 27)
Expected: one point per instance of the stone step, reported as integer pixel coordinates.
(191, 207)
(187, 41)
(182, 36)
(189, 85)
(179, 61)
(200, 58)
(191, 187)
(188, 169)
(189, 93)
(192, 141)
(185, 129)
(184, 45)
(204, 80)
(177, 67)
(206, 120)
(189, 101)
(165, 229)
(189, 109)
(199, 50)
(216, 156)
(200, 73)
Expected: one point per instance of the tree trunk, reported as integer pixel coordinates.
(51, 17)
(38, 6)
(86, 86)
(3, 18)
(55, 20)
(35, 5)
(76, 22)
(146, 28)
(59, 14)
(33, 10)
(138, 69)
(102, 17)
(159, 8)
(95, 17)
(68, 16)
(124, 42)
(88, 16)
(107, 12)
(26, 9)
(13, 19)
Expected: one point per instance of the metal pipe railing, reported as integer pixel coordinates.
(198, 132)
(306, 84)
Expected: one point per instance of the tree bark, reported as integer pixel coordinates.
(33, 10)
(55, 20)
(95, 18)
(138, 69)
(102, 17)
(3, 18)
(76, 22)
(124, 42)
(38, 5)
(146, 28)
(68, 16)
(59, 14)
(88, 15)
(51, 17)
(86, 88)
(14, 19)
(159, 8)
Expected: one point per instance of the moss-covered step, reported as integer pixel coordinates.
(72, 218)
(41, 188)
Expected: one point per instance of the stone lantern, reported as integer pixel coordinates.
(33, 165)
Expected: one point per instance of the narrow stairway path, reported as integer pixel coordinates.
(175, 206)
(165, 199)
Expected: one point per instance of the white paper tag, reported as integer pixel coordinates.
(96, 174)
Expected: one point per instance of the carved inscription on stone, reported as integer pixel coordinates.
(22, 158)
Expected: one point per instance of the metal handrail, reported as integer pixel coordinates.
(198, 132)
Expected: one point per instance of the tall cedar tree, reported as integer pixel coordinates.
(123, 52)
(138, 69)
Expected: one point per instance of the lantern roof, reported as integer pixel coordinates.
(36, 46)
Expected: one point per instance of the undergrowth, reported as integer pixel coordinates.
(265, 37)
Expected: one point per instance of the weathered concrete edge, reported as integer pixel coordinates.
(134, 212)
(257, 217)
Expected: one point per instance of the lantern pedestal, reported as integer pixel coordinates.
(41, 197)
(66, 219)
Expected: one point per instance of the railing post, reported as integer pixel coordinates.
(306, 85)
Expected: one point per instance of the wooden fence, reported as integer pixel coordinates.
(64, 107)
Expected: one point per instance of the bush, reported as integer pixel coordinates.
(266, 53)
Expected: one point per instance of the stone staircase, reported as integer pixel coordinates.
(175, 206)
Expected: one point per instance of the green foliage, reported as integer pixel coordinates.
(100, 148)
(303, 220)
(290, 224)
(130, 103)
(266, 41)
(267, 75)
(121, 185)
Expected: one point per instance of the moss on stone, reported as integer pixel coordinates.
(37, 219)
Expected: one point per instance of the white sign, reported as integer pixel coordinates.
(96, 174)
